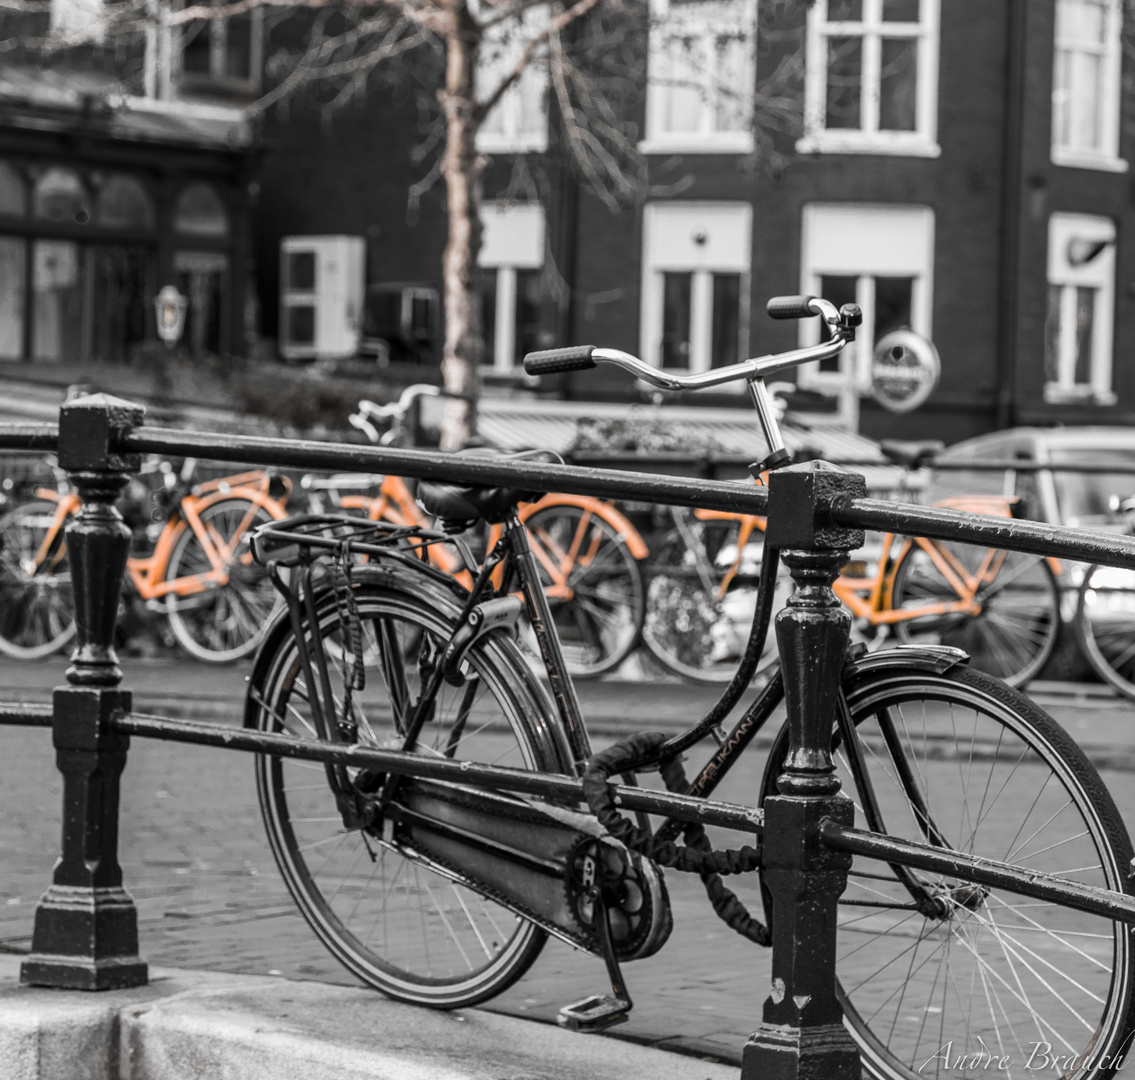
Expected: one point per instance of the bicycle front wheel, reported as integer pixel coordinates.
(593, 583)
(224, 622)
(1105, 625)
(392, 918)
(1015, 630)
(37, 605)
(959, 760)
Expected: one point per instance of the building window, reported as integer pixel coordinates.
(13, 193)
(76, 295)
(519, 121)
(200, 212)
(122, 203)
(512, 282)
(221, 52)
(1086, 83)
(879, 257)
(60, 196)
(1081, 302)
(871, 83)
(695, 290)
(13, 272)
(702, 75)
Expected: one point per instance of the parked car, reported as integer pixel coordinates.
(1059, 492)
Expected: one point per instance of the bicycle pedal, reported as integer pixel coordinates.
(595, 1013)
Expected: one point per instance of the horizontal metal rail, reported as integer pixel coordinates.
(437, 465)
(28, 436)
(18, 714)
(684, 807)
(1017, 879)
(1084, 545)
(1033, 537)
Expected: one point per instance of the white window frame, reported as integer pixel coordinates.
(868, 139)
(670, 239)
(1098, 274)
(1106, 156)
(217, 29)
(512, 239)
(493, 69)
(162, 68)
(663, 22)
(864, 241)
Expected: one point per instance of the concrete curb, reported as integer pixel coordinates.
(189, 1025)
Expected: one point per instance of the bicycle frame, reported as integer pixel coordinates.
(148, 573)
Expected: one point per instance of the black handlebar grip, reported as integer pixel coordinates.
(550, 361)
(790, 307)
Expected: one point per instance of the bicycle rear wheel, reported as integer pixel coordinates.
(1013, 634)
(701, 595)
(593, 583)
(224, 622)
(37, 606)
(999, 778)
(1105, 625)
(392, 920)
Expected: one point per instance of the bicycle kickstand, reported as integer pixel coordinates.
(600, 1011)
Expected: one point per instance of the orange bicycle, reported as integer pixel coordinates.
(588, 552)
(199, 573)
(1003, 608)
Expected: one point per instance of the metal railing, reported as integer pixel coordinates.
(85, 932)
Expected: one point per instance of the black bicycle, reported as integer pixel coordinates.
(442, 894)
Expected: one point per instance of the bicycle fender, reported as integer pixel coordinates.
(932, 658)
(605, 510)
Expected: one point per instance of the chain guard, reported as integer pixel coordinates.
(533, 864)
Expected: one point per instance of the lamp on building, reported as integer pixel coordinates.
(169, 310)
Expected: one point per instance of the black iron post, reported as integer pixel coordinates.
(86, 925)
(802, 1036)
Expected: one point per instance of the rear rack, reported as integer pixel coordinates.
(305, 536)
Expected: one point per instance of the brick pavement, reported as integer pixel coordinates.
(195, 857)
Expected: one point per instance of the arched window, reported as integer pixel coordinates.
(13, 196)
(60, 196)
(122, 203)
(200, 212)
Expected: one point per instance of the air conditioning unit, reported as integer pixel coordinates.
(321, 296)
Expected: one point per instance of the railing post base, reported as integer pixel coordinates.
(86, 926)
(802, 1036)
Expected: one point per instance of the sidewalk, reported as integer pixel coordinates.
(189, 1025)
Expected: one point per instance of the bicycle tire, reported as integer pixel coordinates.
(1015, 632)
(37, 609)
(223, 623)
(1105, 625)
(688, 629)
(1015, 787)
(433, 933)
(600, 621)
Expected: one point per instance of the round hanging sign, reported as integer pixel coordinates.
(904, 370)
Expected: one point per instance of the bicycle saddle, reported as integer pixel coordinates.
(466, 503)
(913, 455)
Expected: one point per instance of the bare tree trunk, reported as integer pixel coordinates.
(460, 365)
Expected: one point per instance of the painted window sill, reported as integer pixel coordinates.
(1071, 159)
(866, 144)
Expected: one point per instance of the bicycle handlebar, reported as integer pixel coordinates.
(399, 408)
(841, 322)
(551, 361)
(791, 307)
